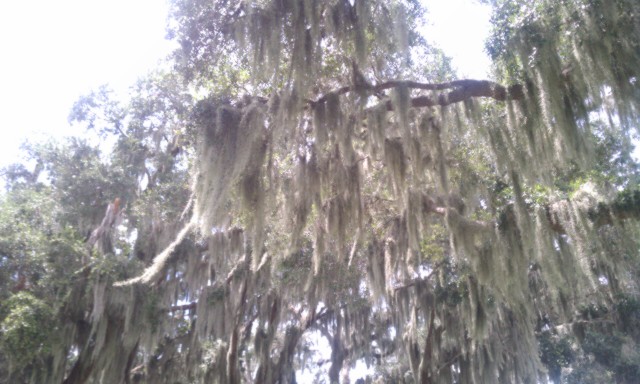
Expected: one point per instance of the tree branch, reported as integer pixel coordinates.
(184, 307)
(449, 362)
(466, 89)
(417, 281)
(462, 90)
(625, 206)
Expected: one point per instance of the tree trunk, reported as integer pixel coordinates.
(337, 353)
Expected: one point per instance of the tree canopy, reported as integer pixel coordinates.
(311, 194)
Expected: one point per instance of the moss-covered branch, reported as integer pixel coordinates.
(625, 206)
(460, 90)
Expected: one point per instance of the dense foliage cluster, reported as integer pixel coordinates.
(311, 195)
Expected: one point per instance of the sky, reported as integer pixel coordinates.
(460, 28)
(55, 51)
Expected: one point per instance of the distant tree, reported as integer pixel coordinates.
(313, 172)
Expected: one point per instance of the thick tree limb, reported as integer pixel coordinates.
(461, 90)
